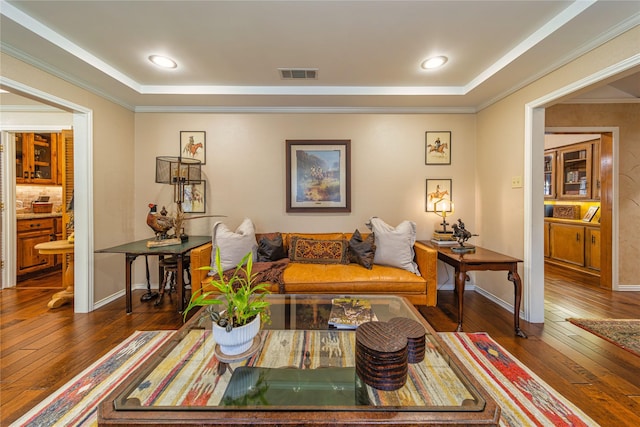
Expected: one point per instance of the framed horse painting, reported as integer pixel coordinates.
(193, 145)
(437, 148)
(438, 190)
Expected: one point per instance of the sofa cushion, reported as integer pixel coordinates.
(394, 245)
(271, 248)
(233, 245)
(362, 251)
(350, 279)
(327, 251)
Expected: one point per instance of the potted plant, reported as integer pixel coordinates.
(243, 306)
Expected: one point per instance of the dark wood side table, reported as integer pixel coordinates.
(134, 249)
(481, 260)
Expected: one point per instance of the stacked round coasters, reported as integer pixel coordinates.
(381, 356)
(416, 337)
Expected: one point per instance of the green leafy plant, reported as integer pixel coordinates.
(241, 299)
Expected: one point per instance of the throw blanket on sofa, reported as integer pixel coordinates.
(269, 272)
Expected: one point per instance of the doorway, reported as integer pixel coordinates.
(591, 251)
(83, 201)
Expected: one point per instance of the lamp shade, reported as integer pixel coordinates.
(173, 170)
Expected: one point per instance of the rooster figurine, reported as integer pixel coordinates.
(159, 223)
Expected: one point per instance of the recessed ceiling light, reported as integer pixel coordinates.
(435, 62)
(163, 61)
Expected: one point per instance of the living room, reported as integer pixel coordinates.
(245, 168)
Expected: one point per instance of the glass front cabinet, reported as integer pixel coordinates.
(36, 158)
(572, 172)
(550, 175)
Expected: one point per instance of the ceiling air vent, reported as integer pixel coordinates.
(298, 73)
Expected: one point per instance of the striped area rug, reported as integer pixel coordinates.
(524, 398)
(76, 403)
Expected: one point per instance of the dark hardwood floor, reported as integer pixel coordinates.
(42, 349)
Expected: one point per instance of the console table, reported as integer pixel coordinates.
(481, 260)
(135, 249)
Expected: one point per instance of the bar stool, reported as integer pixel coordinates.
(170, 268)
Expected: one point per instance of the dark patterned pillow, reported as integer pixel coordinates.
(362, 251)
(318, 251)
(271, 248)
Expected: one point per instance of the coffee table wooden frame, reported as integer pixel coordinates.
(327, 416)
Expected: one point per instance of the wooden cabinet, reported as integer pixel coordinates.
(550, 174)
(573, 172)
(567, 243)
(575, 166)
(592, 252)
(572, 245)
(547, 251)
(37, 159)
(30, 232)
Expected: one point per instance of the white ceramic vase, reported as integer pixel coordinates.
(239, 339)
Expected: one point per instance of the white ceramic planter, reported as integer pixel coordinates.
(238, 340)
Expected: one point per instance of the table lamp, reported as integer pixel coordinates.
(442, 207)
(178, 171)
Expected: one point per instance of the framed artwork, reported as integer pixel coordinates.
(437, 148)
(318, 175)
(194, 197)
(437, 189)
(590, 214)
(193, 145)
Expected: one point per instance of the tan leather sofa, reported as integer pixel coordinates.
(349, 279)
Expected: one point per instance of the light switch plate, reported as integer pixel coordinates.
(516, 182)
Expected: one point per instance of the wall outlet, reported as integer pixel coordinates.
(516, 182)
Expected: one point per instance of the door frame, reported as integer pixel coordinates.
(83, 194)
(534, 130)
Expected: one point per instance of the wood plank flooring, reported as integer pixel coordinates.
(42, 349)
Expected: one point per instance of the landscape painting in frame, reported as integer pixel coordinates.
(195, 197)
(193, 145)
(437, 148)
(437, 189)
(318, 175)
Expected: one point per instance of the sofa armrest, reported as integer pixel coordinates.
(200, 257)
(427, 260)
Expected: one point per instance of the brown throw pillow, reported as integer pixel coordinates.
(362, 251)
(271, 248)
(318, 251)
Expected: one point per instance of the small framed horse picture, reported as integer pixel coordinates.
(193, 145)
(437, 148)
(438, 190)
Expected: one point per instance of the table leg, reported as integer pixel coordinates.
(461, 278)
(517, 283)
(180, 282)
(60, 298)
(127, 273)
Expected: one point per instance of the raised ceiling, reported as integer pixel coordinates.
(367, 53)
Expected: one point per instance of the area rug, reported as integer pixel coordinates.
(624, 333)
(524, 398)
(76, 403)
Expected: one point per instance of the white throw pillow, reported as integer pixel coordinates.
(394, 246)
(233, 245)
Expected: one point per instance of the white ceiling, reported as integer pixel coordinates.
(367, 53)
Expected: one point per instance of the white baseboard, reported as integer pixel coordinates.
(117, 295)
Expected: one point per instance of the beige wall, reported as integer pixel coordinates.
(245, 167)
(113, 153)
(627, 118)
(500, 148)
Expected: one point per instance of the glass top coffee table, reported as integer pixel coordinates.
(300, 372)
